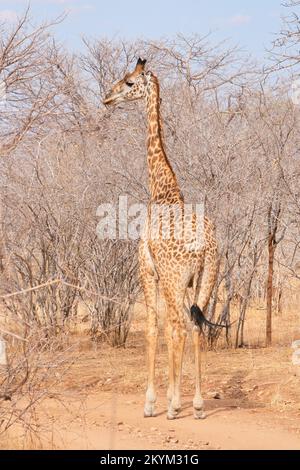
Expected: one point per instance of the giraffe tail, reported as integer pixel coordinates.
(199, 319)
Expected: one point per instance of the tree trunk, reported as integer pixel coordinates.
(271, 250)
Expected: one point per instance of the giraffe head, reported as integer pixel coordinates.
(131, 87)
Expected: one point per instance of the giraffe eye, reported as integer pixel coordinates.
(130, 84)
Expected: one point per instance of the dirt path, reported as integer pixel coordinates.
(98, 404)
(108, 421)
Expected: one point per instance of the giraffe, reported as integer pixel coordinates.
(167, 265)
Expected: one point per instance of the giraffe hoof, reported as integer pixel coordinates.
(199, 414)
(173, 414)
(149, 412)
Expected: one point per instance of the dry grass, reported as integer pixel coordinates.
(286, 327)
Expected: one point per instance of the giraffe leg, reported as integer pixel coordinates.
(150, 291)
(169, 336)
(208, 278)
(207, 282)
(176, 331)
(179, 337)
(198, 402)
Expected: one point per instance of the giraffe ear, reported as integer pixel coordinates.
(140, 65)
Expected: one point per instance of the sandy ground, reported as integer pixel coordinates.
(97, 403)
(111, 421)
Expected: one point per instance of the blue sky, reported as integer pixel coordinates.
(249, 23)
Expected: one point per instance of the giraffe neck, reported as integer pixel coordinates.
(162, 179)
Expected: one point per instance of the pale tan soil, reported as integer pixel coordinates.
(101, 396)
(112, 421)
(101, 405)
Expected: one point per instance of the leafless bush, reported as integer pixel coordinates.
(112, 269)
(285, 51)
(232, 134)
(34, 371)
